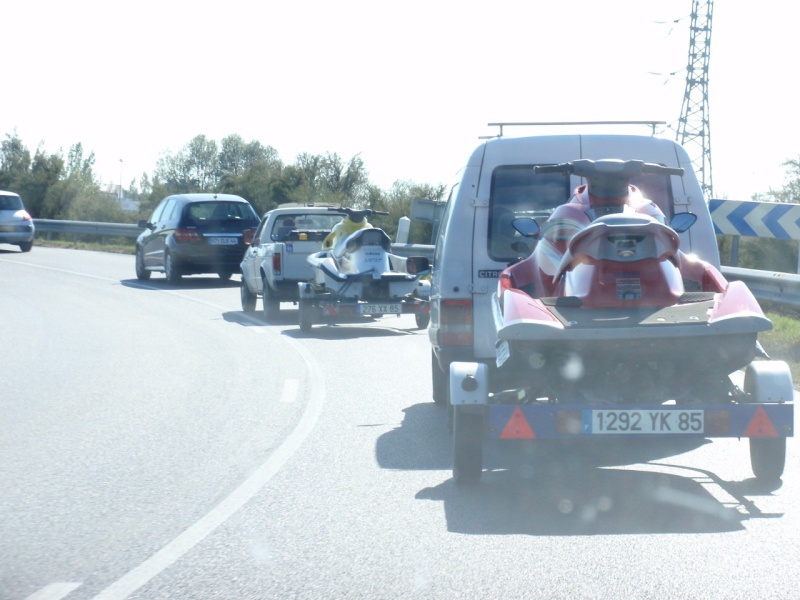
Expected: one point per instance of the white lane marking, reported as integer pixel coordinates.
(290, 389)
(173, 551)
(54, 591)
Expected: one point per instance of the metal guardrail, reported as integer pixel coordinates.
(86, 227)
(782, 288)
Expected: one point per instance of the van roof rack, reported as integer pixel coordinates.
(652, 124)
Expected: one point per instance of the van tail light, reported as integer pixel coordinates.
(186, 235)
(276, 263)
(247, 235)
(455, 323)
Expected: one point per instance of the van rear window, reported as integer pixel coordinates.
(517, 192)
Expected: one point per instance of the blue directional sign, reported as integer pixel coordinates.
(756, 219)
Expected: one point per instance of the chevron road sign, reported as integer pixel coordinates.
(756, 219)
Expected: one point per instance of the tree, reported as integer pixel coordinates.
(790, 192)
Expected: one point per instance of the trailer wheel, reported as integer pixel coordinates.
(768, 457)
(422, 319)
(467, 445)
(305, 311)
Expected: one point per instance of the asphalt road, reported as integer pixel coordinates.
(158, 443)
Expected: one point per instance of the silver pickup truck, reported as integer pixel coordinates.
(276, 260)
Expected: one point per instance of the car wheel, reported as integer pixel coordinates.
(422, 319)
(248, 299)
(440, 380)
(25, 246)
(141, 272)
(171, 269)
(224, 275)
(272, 307)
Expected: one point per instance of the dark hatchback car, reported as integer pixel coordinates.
(195, 233)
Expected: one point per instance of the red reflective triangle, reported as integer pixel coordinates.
(517, 427)
(760, 425)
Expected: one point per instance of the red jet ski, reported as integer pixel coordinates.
(607, 309)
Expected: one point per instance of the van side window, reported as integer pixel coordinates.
(517, 192)
(657, 188)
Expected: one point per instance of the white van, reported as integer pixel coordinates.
(475, 238)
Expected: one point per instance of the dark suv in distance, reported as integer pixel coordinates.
(195, 233)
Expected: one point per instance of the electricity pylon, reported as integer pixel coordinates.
(694, 131)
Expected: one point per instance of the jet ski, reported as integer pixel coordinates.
(356, 274)
(608, 309)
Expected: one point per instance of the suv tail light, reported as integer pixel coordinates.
(455, 323)
(186, 235)
(247, 235)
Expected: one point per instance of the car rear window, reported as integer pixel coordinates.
(210, 215)
(315, 226)
(10, 203)
(518, 192)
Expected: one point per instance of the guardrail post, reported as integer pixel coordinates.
(734, 250)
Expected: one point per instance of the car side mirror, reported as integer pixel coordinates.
(527, 226)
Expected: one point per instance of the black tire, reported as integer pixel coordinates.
(768, 457)
(305, 312)
(467, 445)
(422, 319)
(225, 275)
(25, 246)
(141, 272)
(248, 298)
(271, 306)
(440, 380)
(171, 270)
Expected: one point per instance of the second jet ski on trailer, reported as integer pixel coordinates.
(357, 275)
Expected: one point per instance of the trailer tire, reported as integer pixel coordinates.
(768, 457)
(467, 445)
(271, 305)
(422, 319)
(305, 312)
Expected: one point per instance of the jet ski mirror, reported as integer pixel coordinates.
(417, 265)
(527, 226)
(683, 221)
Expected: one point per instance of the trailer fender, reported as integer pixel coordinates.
(469, 383)
(769, 381)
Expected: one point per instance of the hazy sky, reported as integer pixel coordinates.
(410, 86)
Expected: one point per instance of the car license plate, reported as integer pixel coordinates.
(643, 421)
(379, 309)
(223, 241)
(6, 228)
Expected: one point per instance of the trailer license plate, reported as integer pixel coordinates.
(643, 421)
(223, 241)
(379, 309)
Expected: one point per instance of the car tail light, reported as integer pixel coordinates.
(276, 263)
(455, 325)
(23, 214)
(186, 235)
(248, 234)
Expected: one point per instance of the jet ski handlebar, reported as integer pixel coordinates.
(357, 215)
(623, 169)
